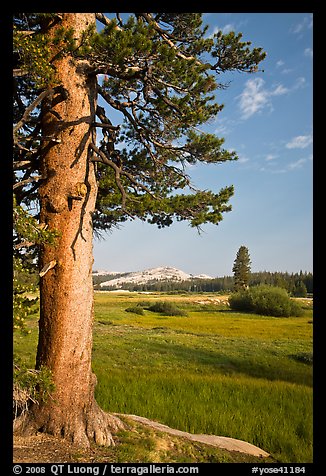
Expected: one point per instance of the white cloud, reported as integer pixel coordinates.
(271, 157)
(304, 24)
(297, 164)
(216, 30)
(284, 70)
(255, 96)
(308, 52)
(271, 171)
(299, 83)
(299, 142)
(227, 28)
(242, 159)
(224, 29)
(279, 90)
(224, 125)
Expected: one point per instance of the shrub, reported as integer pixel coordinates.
(304, 357)
(30, 386)
(266, 300)
(241, 301)
(167, 309)
(136, 310)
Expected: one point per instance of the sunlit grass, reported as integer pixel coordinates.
(213, 371)
(212, 321)
(274, 416)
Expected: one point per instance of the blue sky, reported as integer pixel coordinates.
(267, 119)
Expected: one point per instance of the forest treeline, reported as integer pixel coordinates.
(297, 284)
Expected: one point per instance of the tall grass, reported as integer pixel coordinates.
(276, 417)
(213, 371)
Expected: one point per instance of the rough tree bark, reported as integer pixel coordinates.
(67, 200)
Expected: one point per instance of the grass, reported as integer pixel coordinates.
(213, 371)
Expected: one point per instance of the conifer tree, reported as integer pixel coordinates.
(241, 269)
(160, 77)
(300, 289)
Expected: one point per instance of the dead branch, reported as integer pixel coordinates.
(30, 108)
(24, 244)
(118, 173)
(22, 164)
(105, 20)
(17, 72)
(105, 125)
(22, 183)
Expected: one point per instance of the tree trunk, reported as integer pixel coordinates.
(67, 200)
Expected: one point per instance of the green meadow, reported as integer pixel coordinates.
(212, 371)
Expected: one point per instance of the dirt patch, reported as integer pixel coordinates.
(43, 448)
(216, 301)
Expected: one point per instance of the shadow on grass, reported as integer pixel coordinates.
(253, 365)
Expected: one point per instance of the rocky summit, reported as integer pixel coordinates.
(162, 273)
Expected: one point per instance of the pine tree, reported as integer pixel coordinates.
(160, 76)
(300, 289)
(241, 269)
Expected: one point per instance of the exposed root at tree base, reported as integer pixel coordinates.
(81, 430)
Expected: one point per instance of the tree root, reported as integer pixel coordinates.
(101, 426)
(81, 429)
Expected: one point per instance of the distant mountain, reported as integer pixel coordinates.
(152, 275)
(102, 272)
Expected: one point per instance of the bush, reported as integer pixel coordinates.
(304, 357)
(167, 309)
(136, 310)
(29, 386)
(266, 300)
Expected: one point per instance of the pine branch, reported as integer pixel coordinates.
(166, 37)
(143, 132)
(118, 173)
